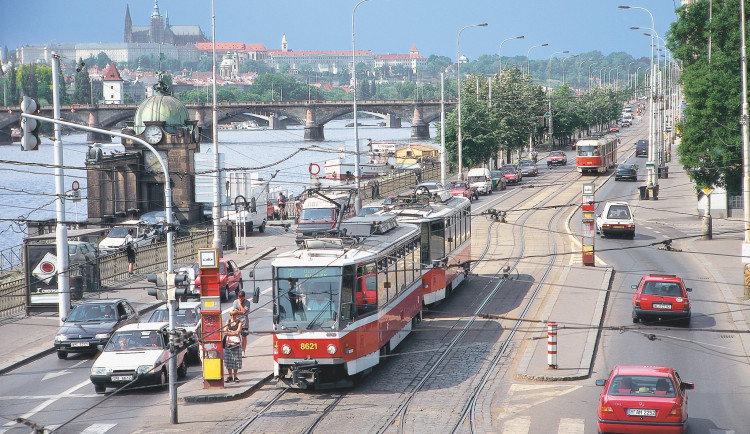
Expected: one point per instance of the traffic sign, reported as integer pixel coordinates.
(548, 115)
(707, 190)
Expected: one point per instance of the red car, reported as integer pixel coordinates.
(511, 173)
(461, 188)
(643, 399)
(230, 278)
(615, 129)
(661, 297)
(557, 158)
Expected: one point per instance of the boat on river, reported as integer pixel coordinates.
(378, 160)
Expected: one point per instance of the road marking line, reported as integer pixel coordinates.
(48, 402)
(99, 428)
(571, 426)
(519, 425)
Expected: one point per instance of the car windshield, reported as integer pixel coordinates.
(155, 217)
(641, 385)
(182, 317)
(135, 339)
(119, 232)
(526, 163)
(429, 186)
(618, 212)
(585, 151)
(318, 214)
(508, 170)
(457, 185)
(477, 179)
(557, 153)
(92, 313)
(496, 173)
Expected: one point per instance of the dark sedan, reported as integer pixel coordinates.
(91, 324)
(626, 171)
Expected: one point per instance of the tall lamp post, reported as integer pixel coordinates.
(629, 71)
(528, 65)
(580, 65)
(357, 173)
(635, 87)
(595, 63)
(549, 92)
(458, 84)
(652, 180)
(500, 52)
(745, 156)
(216, 214)
(562, 65)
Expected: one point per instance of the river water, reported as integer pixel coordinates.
(27, 182)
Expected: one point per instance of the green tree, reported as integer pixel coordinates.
(82, 83)
(710, 149)
(29, 85)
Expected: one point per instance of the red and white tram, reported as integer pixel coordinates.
(596, 154)
(340, 303)
(445, 223)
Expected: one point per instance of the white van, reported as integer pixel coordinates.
(480, 179)
(143, 233)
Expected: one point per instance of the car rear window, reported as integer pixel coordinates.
(618, 212)
(663, 288)
(640, 385)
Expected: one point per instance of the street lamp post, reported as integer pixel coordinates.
(629, 72)
(528, 65)
(549, 93)
(458, 84)
(595, 63)
(652, 180)
(635, 87)
(357, 172)
(216, 214)
(580, 65)
(745, 157)
(500, 52)
(562, 65)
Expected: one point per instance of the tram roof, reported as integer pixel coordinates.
(418, 211)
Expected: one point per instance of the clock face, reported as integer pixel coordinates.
(152, 163)
(153, 134)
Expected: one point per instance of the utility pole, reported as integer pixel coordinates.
(745, 158)
(61, 228)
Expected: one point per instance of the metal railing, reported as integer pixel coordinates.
(10, 259)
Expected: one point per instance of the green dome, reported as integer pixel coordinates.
(161, 108)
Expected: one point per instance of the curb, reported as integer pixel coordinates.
(222, 397)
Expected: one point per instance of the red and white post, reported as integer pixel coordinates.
(552, 345)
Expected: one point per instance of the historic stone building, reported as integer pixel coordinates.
(127, 184)
(159, 30)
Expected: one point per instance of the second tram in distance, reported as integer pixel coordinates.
(596, 154)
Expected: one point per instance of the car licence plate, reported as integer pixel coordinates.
(662, 306)
(79, 344)
(122, 378)
(618, 227)
(641, 412)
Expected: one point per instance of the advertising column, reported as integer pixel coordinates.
(587, 224)
(213, 352)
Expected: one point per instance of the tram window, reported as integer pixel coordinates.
(347, 293)
(425, 243)
(417, 258)
(392, 275)
(366, 291)
(404, 276)
(437, 246)
(382, 280)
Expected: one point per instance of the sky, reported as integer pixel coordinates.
(382, 26)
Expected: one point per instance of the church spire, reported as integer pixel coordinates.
(128, 25)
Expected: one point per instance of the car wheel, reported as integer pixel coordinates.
(224, 293)
(182, 369)
(635, 318)
(100, 388)
(686, 322)
(262, 227)
(62, 355)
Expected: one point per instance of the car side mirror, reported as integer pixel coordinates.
(63, 319)
(600, 382)
(634, 286)
(689, 289)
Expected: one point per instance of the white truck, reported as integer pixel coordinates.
(480, 179)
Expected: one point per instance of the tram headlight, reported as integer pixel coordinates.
(286, 349)
(332, 349)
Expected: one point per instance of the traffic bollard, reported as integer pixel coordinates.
(552, 345)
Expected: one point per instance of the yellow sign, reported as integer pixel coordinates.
(707, 190)
(209, 303)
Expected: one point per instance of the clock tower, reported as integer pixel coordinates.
(163, 122)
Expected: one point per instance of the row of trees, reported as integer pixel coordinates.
(515, 112)
(711, 146)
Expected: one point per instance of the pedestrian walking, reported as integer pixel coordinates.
(282, 206)
(130, 251)
(232, 347)
(242, 305)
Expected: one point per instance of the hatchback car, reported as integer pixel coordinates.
(614, 129)
(90, 325)
(643, 399)
(428, 187)
(512, 173)
(626, 171)
(616, 219)
(557, 158)
(461, 188)
(136, 354)
(661, 297)
(230, 278)
(498, 180)
(528, 168)
(187, 316)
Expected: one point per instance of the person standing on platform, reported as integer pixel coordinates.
(232, 349)
(242, 305)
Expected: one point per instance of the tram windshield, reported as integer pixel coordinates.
(588, 151)
(307, 296)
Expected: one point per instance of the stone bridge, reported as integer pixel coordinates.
(313, 115)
